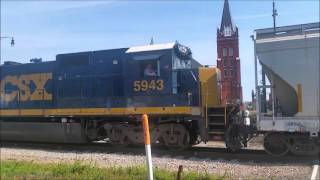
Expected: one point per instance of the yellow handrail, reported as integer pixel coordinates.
(207, 94)
(225, 114)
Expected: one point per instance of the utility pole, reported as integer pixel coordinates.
(264, 91)
(274, 14)
(151, 41)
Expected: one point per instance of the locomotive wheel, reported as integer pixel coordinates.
(118, 138)
(175, 136)
(303, 146)
(120, 143)
(194, 137)
(275, 145)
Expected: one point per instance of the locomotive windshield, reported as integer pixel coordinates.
(181, 63)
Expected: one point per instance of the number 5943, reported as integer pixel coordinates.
(144, 85)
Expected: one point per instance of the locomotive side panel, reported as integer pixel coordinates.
(26, 86)
(96, 83)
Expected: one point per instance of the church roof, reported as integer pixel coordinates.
(226, 21)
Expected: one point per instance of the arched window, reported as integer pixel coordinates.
(231, 52)
(224, 52)
(225, 72)
(225, 62)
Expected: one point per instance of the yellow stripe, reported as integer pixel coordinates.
(299, 93)
(97, 111)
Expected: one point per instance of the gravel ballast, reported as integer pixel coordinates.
(233, 169)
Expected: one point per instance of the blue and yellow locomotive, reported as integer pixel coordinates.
(99, 95)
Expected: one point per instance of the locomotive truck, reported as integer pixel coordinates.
(99, 95)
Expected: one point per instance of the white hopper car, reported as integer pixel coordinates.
(290, 58)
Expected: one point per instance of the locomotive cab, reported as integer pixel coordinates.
(161, 75)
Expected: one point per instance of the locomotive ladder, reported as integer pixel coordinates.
(216, 121)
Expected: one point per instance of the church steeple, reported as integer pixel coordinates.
(228, 60)
(226, 28)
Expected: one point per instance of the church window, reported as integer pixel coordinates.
(224, 53)
(225, 62)
(231, 52)
(231, 73)
(225, 72)
(227, 31)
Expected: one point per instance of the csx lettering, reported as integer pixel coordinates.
(145, 85)
(22, 83)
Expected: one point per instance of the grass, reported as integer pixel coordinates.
(31, 170)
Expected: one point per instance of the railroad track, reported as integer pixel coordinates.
(207, 153)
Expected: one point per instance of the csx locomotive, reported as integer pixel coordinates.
(99, 95)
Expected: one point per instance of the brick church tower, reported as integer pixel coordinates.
(228, 60)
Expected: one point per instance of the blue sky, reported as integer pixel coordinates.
(46, 28)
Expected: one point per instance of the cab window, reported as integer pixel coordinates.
(149, 68)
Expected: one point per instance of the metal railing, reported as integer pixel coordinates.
(288, 30)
